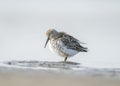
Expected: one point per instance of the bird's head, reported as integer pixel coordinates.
(51, 33)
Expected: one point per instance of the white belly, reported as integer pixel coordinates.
(62, 50)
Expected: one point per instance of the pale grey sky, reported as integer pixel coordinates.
(23, 25)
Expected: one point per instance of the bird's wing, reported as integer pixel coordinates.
(71, 43)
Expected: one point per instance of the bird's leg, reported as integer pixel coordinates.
(65, 59)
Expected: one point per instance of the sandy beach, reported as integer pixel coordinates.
(21, 79)
(32, 76)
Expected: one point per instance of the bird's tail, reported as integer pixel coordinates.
(84, 49)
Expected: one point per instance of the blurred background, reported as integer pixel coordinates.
(23, 24)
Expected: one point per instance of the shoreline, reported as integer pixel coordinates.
(50, 78)
(16, 75)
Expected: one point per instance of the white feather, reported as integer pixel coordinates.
(62, 49)
(70, 52)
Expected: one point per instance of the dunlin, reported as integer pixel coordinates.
(63, 44)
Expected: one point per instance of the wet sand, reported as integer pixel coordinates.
(21, 79)
(15, 76)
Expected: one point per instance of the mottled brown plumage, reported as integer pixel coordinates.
(63, 44)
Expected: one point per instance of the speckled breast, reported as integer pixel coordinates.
(57, 46)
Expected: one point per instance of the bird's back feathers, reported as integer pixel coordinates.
(72, 43)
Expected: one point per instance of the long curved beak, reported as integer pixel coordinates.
(46, 42)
